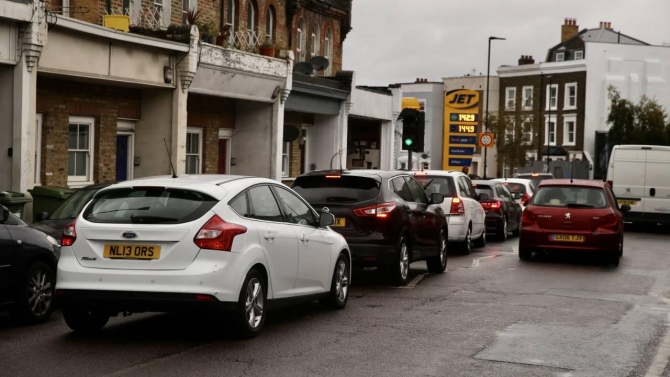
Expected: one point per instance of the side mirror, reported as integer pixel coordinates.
(625, 208)
(4, 214)
(326, 219)
(516, 195)
(436, 198)
(484, 197)
(42, 216)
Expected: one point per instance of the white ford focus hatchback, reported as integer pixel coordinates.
(199, 242)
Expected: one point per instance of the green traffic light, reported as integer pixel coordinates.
(409, 142)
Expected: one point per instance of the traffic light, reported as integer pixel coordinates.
(413, 126)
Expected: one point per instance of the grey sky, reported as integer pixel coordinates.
(393, 41)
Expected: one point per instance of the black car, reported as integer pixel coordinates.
(503, 214)
(385, 216)
(28, 261)
(53, 223)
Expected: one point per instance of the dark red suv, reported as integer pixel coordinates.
(385, 216)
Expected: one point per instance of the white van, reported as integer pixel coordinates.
(640, 177)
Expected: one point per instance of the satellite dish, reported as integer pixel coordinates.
(319, 63)
(291, 133)
(424, 156)
(304, 68)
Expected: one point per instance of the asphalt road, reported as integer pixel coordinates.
(490, 315)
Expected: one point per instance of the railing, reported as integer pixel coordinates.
(147, 16)
(246, 40)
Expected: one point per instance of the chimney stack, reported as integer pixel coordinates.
(569, 29)
(526, 59)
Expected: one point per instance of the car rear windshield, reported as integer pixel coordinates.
(148, 205)
(570, 197)
(439, 185)
(343, 189)
(536, 178)
(515, 188)
(484, 189)
(73, 205)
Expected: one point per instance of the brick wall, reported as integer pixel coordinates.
(324, 22)
(210, 114)
(58, 100)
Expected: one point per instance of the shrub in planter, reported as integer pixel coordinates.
(267, 49)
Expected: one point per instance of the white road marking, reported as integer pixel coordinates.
(475, 262)
(662, 356)
(515, 250)
(412, 284)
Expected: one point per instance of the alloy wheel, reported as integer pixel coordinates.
(468, 241)
(40, 295)
(443, 248)
(342, 281)
(404, 261)
(254, 303)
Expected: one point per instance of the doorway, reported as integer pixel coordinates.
(124, 156)
(224, 161)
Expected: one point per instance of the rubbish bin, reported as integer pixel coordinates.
(15, 202)
(48, 198)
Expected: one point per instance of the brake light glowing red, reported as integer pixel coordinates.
(333, 176)
(380, 210)
(457, 207)
(528, 218)
(69, 234)
(217, 234)
(525, 198)
(494, 204)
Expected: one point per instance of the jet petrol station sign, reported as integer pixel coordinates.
(461, 128)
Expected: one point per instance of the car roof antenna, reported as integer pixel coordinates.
(174, 174)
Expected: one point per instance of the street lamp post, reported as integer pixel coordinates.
(488, 77)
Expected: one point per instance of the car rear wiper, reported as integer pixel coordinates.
(118, 210)
(151, 219)
(577, 205)
(341, 199)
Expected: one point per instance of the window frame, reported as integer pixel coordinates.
(508, 99)
(549, 119)
(397, 190)
(548, 100)
(270, 20)
(524, 99)
(581, 55)
(567, 97)
(250, 204)
(300, 39)
(287, 156)
(316, 39)
(186, 6)
(74, 181)
(232, 15)
(328, 49)
(425, 197)
(566, 132)
(198, 131)
(561, 55)
(252, 13)
(528, 120)
(510, 127)
(315, 217)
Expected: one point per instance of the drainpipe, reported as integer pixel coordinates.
(109, 6)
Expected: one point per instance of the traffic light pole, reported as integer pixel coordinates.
(409, 160)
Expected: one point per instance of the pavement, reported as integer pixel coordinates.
(489, 315)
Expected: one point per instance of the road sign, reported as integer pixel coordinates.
(460, 162)
(470, 140)
(461, 128)
(462, 151)
(486, 140)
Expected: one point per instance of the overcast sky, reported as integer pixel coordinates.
(393, 41)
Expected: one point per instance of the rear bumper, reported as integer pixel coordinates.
(534, 238)
(457, 228)
(650, 218)
(117, 301)
(493, 221)
(372, 251)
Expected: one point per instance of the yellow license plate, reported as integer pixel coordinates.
(566, 238)
(339, 222)
(629, 202)
(132, 251)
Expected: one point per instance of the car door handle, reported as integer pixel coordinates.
(304, 238)
(269, 236)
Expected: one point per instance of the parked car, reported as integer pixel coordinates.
(521, 189)
(575, 215)
(465, 215)
(385, 216)
(503, 214)
(53, 223)
(535, 177)
(638, 175)
(28, 260)
(198, 242)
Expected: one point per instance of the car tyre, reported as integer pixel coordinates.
(516, 232)
(438, 264)
(36, 295)
(612, 259)
(251, 309)
(525, 254)
(466, 245)
(502, 230)
(400, 272)
(481, 241)
(339, 288)
(85, 320)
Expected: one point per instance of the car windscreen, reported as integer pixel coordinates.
(336, 189)
(570, 197)
(73, 205)
(484, 189)
(148, 205)
(515, 188)
(439, 185)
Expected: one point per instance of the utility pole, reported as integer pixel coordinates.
(488, 78)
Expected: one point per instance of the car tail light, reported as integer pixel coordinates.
(528, 218)
(525, 198)
(69, 234)
(380, 210)
(457, 207)
(610, 184)
(494, 204)
(609, 222)
(217, 234)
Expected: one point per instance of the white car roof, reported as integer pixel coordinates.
(441, 173)
(522, 181)
(211, 184)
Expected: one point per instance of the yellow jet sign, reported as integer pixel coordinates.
(461, 128)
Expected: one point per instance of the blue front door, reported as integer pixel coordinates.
(122, 144)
